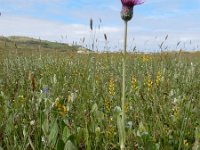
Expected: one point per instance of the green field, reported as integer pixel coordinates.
(53, 98)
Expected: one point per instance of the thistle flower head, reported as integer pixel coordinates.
(127, 8)
(132, 3)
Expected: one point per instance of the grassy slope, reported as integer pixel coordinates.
(26, 45)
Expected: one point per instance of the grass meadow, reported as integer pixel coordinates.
(70, 101)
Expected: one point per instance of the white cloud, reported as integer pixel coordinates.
(49, 30)
(12, 25)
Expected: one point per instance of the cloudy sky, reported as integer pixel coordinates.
(68, 21)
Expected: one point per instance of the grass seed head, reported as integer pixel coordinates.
(91, 24)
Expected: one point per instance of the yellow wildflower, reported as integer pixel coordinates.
(62, 114)
(109, 127)
(107, 104)
(61, 108)
(110, 131)
(176, 111)
(146, 58)
(134, 83)
(63, 111)
(21, 98)
(158, 78)
(111, 87)
(148, 82)
(126, 107)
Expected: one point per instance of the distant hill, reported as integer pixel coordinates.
(27, 44)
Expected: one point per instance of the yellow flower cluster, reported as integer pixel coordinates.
(108, 119)
(134, 83)
(111, 87)
(158, 78)
(148, 82)
(146, 58)
(61, 108)
(110, 128)
(111, 131)
(126, 107)
(107, 105)
(21, 98)
(176, 111)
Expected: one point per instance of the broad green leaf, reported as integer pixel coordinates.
(70, 146)
(45, 126)
(53, 133)
(66, 134)
(60, 145)
(94, 108)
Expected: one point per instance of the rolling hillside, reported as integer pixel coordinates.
(26, 46)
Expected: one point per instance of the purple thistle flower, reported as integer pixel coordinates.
(127, 8)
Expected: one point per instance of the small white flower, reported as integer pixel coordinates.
(68, 108)
(43, 139)
(130, 124)
(97, 129)
(32, 122)
(175, 101)
(54, 79)
(73, 97)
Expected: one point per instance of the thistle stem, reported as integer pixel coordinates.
(124, 85)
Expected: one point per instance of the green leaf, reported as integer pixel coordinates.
(45, 127)
(53, 133)
(70, 146)
(120, 125)
(94, 108)
(60, 145)
(66, 134)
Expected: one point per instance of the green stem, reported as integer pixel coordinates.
(184, 124)
(124, 86)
